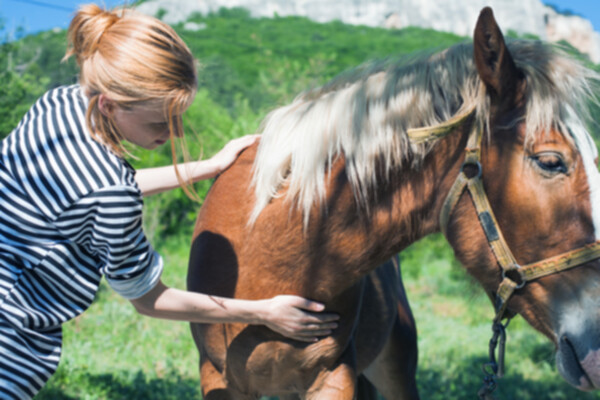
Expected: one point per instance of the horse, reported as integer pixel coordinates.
(484, 141)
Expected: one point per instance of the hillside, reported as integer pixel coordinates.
(525, 17)
(237, 54)
(248, 67)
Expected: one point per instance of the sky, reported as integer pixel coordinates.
(40, 15)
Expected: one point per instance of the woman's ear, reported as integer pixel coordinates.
(105, 105)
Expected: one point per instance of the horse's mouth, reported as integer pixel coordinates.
(579, 374)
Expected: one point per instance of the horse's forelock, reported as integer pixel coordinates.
(556, 85)
(364, 115)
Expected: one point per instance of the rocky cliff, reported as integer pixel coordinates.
(521, 16)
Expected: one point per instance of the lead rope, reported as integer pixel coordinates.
(494, 369)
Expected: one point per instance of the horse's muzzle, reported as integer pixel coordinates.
(578, 363)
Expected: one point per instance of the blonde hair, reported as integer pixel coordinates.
(135, 60)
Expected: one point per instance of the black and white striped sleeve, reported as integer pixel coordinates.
(108, 224)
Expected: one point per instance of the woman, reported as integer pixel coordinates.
(70, 207)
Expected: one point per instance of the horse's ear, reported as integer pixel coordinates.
(492, 58)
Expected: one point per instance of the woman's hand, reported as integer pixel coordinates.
(159, 179)
(228, 154)
(298, 318)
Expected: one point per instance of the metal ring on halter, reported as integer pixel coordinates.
(520, 281)
(475, 165)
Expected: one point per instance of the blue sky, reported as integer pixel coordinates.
(38, 15)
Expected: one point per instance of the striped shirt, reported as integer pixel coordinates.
(70, 213)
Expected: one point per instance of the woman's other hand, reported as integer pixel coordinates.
(228, 154)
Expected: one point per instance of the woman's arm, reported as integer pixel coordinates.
(160, 179)
(291, 316)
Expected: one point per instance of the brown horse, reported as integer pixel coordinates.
(344, 178)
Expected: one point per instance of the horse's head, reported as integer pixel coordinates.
(538, 169)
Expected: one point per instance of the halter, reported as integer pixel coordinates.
(514, 276)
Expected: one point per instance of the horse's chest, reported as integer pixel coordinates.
(276, 368)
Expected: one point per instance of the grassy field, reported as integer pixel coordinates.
(110, 352)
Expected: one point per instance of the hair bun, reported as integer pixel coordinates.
(86, 30)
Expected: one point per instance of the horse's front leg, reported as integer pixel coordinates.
(338, 382)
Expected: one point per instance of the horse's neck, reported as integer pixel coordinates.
(407, 209)
(421, 193)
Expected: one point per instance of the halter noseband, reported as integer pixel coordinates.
(514, 276)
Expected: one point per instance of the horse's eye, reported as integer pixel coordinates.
(550, 162)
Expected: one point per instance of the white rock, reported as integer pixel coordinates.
(576, 31)
(193, 26)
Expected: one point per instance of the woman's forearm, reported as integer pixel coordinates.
(179, 305)
(156, 180)
(291, 316)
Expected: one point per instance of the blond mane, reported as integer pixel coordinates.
(365, 115)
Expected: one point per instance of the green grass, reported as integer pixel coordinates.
(110, 352)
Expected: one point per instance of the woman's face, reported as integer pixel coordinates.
(145, 126)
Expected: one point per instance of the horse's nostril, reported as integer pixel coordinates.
(567, 342)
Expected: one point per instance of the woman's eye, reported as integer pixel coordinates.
(160, 126)
(550, 162)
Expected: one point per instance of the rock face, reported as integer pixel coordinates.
(521, 16)
(574, 30)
